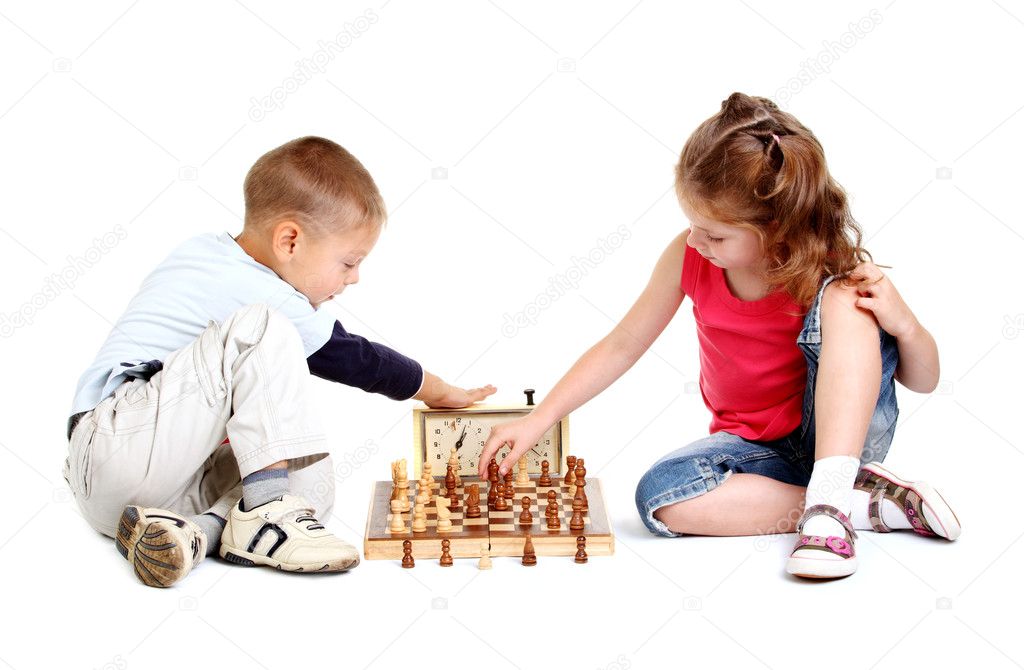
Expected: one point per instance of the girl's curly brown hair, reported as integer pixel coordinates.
(754, 166)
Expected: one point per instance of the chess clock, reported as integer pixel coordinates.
(437, 431)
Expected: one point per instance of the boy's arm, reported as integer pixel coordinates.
(356, 361)
(918, 367)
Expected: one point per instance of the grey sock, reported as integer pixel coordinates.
(263, 486)
(212, 525)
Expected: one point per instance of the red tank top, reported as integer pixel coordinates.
(752, 373)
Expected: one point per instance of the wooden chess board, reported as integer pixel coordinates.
(501, 532)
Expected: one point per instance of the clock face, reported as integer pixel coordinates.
(467, 432)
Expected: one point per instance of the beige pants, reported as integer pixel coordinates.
(230, 403)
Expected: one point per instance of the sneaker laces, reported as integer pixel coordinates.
(301, 515)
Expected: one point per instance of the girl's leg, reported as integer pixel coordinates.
(745, 504)
(849, 372)
(723, 485)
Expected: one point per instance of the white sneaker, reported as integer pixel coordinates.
(284, 534)
(161, 546)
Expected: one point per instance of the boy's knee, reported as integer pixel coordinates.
(260, 321)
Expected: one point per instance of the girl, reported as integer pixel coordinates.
(801, 341)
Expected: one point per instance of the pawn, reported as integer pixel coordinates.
(529, 555)
(446, 554)
(509, 486)
(581, 550)
(453, 461)
(500, 504)
(545, 474)
(492, 470)
(485, 558)
(419, 518)
(551, 512)
(492, 495)
(449, 481)
(473, 502)
(576, 523)
(407, 560)
(397, 524)
(525, 517)
(522, 475)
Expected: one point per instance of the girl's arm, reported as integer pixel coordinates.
(918, 368)
(602, 364)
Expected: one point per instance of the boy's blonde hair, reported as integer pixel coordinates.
(754, 166)
(315, 182)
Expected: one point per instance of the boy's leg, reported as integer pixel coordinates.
(246, 379)
(144, 450)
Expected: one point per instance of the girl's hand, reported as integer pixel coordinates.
(880, 297)
(522, 434)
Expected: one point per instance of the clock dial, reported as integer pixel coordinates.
(467, 433)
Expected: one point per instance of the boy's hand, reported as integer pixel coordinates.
(454, 397)
(437, 393)
(880, 296)
(522, 434)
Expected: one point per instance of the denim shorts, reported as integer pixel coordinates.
(702, 465)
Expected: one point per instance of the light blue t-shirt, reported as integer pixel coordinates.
(205, 279)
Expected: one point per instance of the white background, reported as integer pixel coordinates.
(557, 124)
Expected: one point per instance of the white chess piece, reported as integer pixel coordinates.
(397, 524)
(444, 515)
(522, 477)
(419, 518)
(485, 558)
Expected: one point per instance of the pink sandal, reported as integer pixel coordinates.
(820, 557)
(927, 511)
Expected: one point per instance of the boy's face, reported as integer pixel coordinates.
(728, 247)
(320, 268)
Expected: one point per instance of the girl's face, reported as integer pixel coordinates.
(728, 247)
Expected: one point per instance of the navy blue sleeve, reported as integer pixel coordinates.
(356, 361)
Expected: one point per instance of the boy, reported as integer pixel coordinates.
(192, 432)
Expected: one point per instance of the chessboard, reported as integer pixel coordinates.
(500, 531)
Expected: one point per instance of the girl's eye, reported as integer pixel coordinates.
(349, 265)
(715, 239)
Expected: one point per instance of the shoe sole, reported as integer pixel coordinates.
(931, 499)
(816, 568)
(157, 560)
(249, 560)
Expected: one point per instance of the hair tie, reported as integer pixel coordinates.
(776, 137)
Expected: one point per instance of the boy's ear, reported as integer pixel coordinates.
(283, 237)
